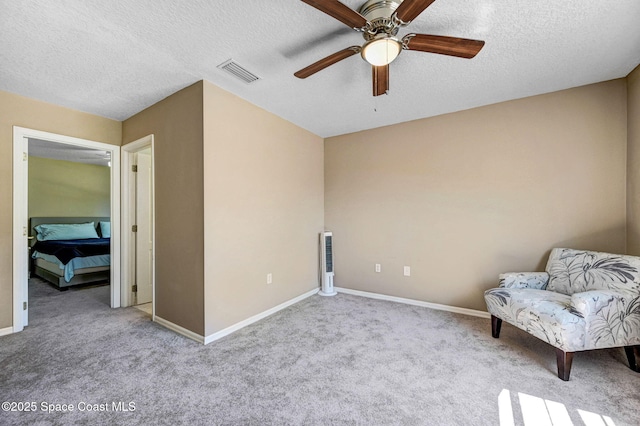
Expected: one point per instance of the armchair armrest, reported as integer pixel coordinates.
(535, 280)
(590, 303)
(610, 317)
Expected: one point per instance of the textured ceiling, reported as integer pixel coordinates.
(115, 58)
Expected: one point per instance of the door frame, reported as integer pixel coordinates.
(128, 219)
(21, 219)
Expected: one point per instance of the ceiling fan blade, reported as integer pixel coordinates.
(452, 46)
(328, 61)
(380, 77)
(410, 9)
(339, 11)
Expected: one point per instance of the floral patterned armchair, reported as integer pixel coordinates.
(585, 300)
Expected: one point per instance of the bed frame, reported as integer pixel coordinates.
(54, 275)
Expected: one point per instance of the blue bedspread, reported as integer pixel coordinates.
(69, 249)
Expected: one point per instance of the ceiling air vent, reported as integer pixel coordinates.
(238, 71)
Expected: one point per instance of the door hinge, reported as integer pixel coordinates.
(24, 306)
(134, 288)
(134, 228)
(24, 156)
(134, 168)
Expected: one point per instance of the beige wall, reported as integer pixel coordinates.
(263, 185)
(244, 186)
(176, 123)
(464, 196)
(633, 163)
(459, 197)
(24, 112)
(66, 188)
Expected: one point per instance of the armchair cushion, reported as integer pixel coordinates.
(574, 271)
(536, 280)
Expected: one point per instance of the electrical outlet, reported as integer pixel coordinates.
(407, 271)
(269, 278)
(378, 268)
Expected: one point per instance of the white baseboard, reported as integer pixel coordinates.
(178, 329)
(225, 332)
(437, 306)
(6, 330)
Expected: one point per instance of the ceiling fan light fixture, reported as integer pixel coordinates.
(381, 50)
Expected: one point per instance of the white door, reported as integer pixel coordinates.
(144, 222)
(20, 223)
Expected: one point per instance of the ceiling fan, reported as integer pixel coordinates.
(379, 22)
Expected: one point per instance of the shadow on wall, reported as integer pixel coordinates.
(633, 237)
(611, 240)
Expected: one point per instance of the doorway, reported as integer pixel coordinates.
(139, 225)
(20, 267)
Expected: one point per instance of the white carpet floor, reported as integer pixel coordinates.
(342, 360)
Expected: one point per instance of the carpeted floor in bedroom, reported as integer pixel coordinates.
(324, 361)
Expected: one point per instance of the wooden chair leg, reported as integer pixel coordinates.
(564, 363)
(633, 353)
(496, 323)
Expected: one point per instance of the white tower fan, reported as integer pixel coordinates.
(326, 249)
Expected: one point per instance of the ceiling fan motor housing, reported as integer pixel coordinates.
(378, 14)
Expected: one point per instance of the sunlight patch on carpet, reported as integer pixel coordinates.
(537, 411)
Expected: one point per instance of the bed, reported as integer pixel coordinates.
(69, 251)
